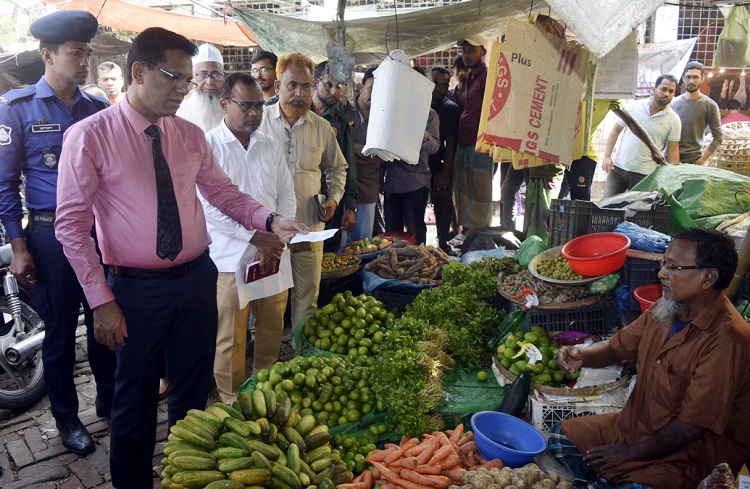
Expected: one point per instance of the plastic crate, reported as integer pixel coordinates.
(544, 415)
(638, 272)
(598, 318)
(395, 300)
(573, 218)
(331, 287)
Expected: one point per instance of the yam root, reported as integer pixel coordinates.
(417, 264)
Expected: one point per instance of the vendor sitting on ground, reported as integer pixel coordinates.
(690, 409)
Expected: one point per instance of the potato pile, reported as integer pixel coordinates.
(410, 263)
(530, 476)
(557, 268)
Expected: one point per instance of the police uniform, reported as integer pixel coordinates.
(32, 123)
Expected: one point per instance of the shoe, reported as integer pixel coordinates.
(75, 437)
(103, 410)
(457, 241)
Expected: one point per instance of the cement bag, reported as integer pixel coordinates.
(534, 88)
(401, 100)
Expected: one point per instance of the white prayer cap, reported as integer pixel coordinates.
(208, 53)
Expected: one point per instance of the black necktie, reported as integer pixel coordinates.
(168, 228)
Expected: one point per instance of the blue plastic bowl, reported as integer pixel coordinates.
(500, 435)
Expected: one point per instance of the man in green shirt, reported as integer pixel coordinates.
(696, 111)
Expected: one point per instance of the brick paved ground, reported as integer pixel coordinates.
(31, 452)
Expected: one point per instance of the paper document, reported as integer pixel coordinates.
(313, 236)
(268, 286)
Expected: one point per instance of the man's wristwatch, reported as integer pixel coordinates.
(269, 221)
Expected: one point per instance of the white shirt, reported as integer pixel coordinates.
(305, 146)
(260, 171)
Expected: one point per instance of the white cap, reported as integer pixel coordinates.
(208, 53)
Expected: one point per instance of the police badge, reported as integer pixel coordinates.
(49, 159)
(5, 135)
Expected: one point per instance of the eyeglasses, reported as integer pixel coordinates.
(180, 82)
(215, 75)
(263, 71)
(673, 268)
(248, 106)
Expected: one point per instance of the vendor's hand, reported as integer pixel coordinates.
(569, 359)
(109, 325)
(658, 157)
(700, 160)
(607, 164)
(22, 265)
(330, 208)
(269, 247)
(285, 228)
(608, 457)
(348, 220)
(442, 181)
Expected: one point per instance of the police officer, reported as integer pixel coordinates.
(32, 123)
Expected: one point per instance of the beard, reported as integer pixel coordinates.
(667, 309)
(294, 111)
(202, 110)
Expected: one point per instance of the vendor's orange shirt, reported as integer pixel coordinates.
(701, 375)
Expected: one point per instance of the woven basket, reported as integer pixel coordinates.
(734, 152)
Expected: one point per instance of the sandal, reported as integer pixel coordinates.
(457, 240)
(163, 388)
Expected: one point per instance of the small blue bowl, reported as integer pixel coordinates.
(500, 435)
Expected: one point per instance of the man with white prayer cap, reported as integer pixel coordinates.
(202, 106)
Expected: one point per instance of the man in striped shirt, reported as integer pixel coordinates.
(633, 160)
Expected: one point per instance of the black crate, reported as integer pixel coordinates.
(598, 318)
(331, 287)
(573, 218)
(638, 272)
(398, 299)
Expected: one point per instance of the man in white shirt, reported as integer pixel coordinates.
(255, 163)
(634, 160)
(308, 143)
(201, 107)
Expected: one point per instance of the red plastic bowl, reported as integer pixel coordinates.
(647, 295)
(596, 254)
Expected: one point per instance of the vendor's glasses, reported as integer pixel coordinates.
(672, 268)
(180, 82)
(263, 71)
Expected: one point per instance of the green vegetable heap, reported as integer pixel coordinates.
(510, 355)
(558, 268)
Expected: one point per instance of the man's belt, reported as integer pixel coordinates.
(42, 218)
(178, 271)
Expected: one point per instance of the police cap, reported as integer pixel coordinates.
(65, 25)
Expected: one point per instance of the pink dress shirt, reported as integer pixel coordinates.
(106, 171)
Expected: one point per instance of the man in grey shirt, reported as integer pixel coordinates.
(696, 111)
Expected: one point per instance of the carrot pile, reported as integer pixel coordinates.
(438, 461)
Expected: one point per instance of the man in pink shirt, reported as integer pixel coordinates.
(136, 168)
(733, 113)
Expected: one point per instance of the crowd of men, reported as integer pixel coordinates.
(146, 206)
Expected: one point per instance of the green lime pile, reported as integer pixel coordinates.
(545, 371)
(354, 449)
(336, 390)
(558, 268)
(349, 325)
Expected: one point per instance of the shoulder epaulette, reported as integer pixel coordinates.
(18, 94)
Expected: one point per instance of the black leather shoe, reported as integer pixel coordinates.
(103, 410)
(75, 437)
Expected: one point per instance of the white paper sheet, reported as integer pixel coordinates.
(313, 236)
(268, 286)
(617, 71)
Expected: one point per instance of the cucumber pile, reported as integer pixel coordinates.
(265, 443)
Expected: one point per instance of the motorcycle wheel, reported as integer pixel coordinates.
(12, 394)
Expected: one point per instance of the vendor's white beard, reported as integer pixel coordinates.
(202, 110)
(667, 309)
